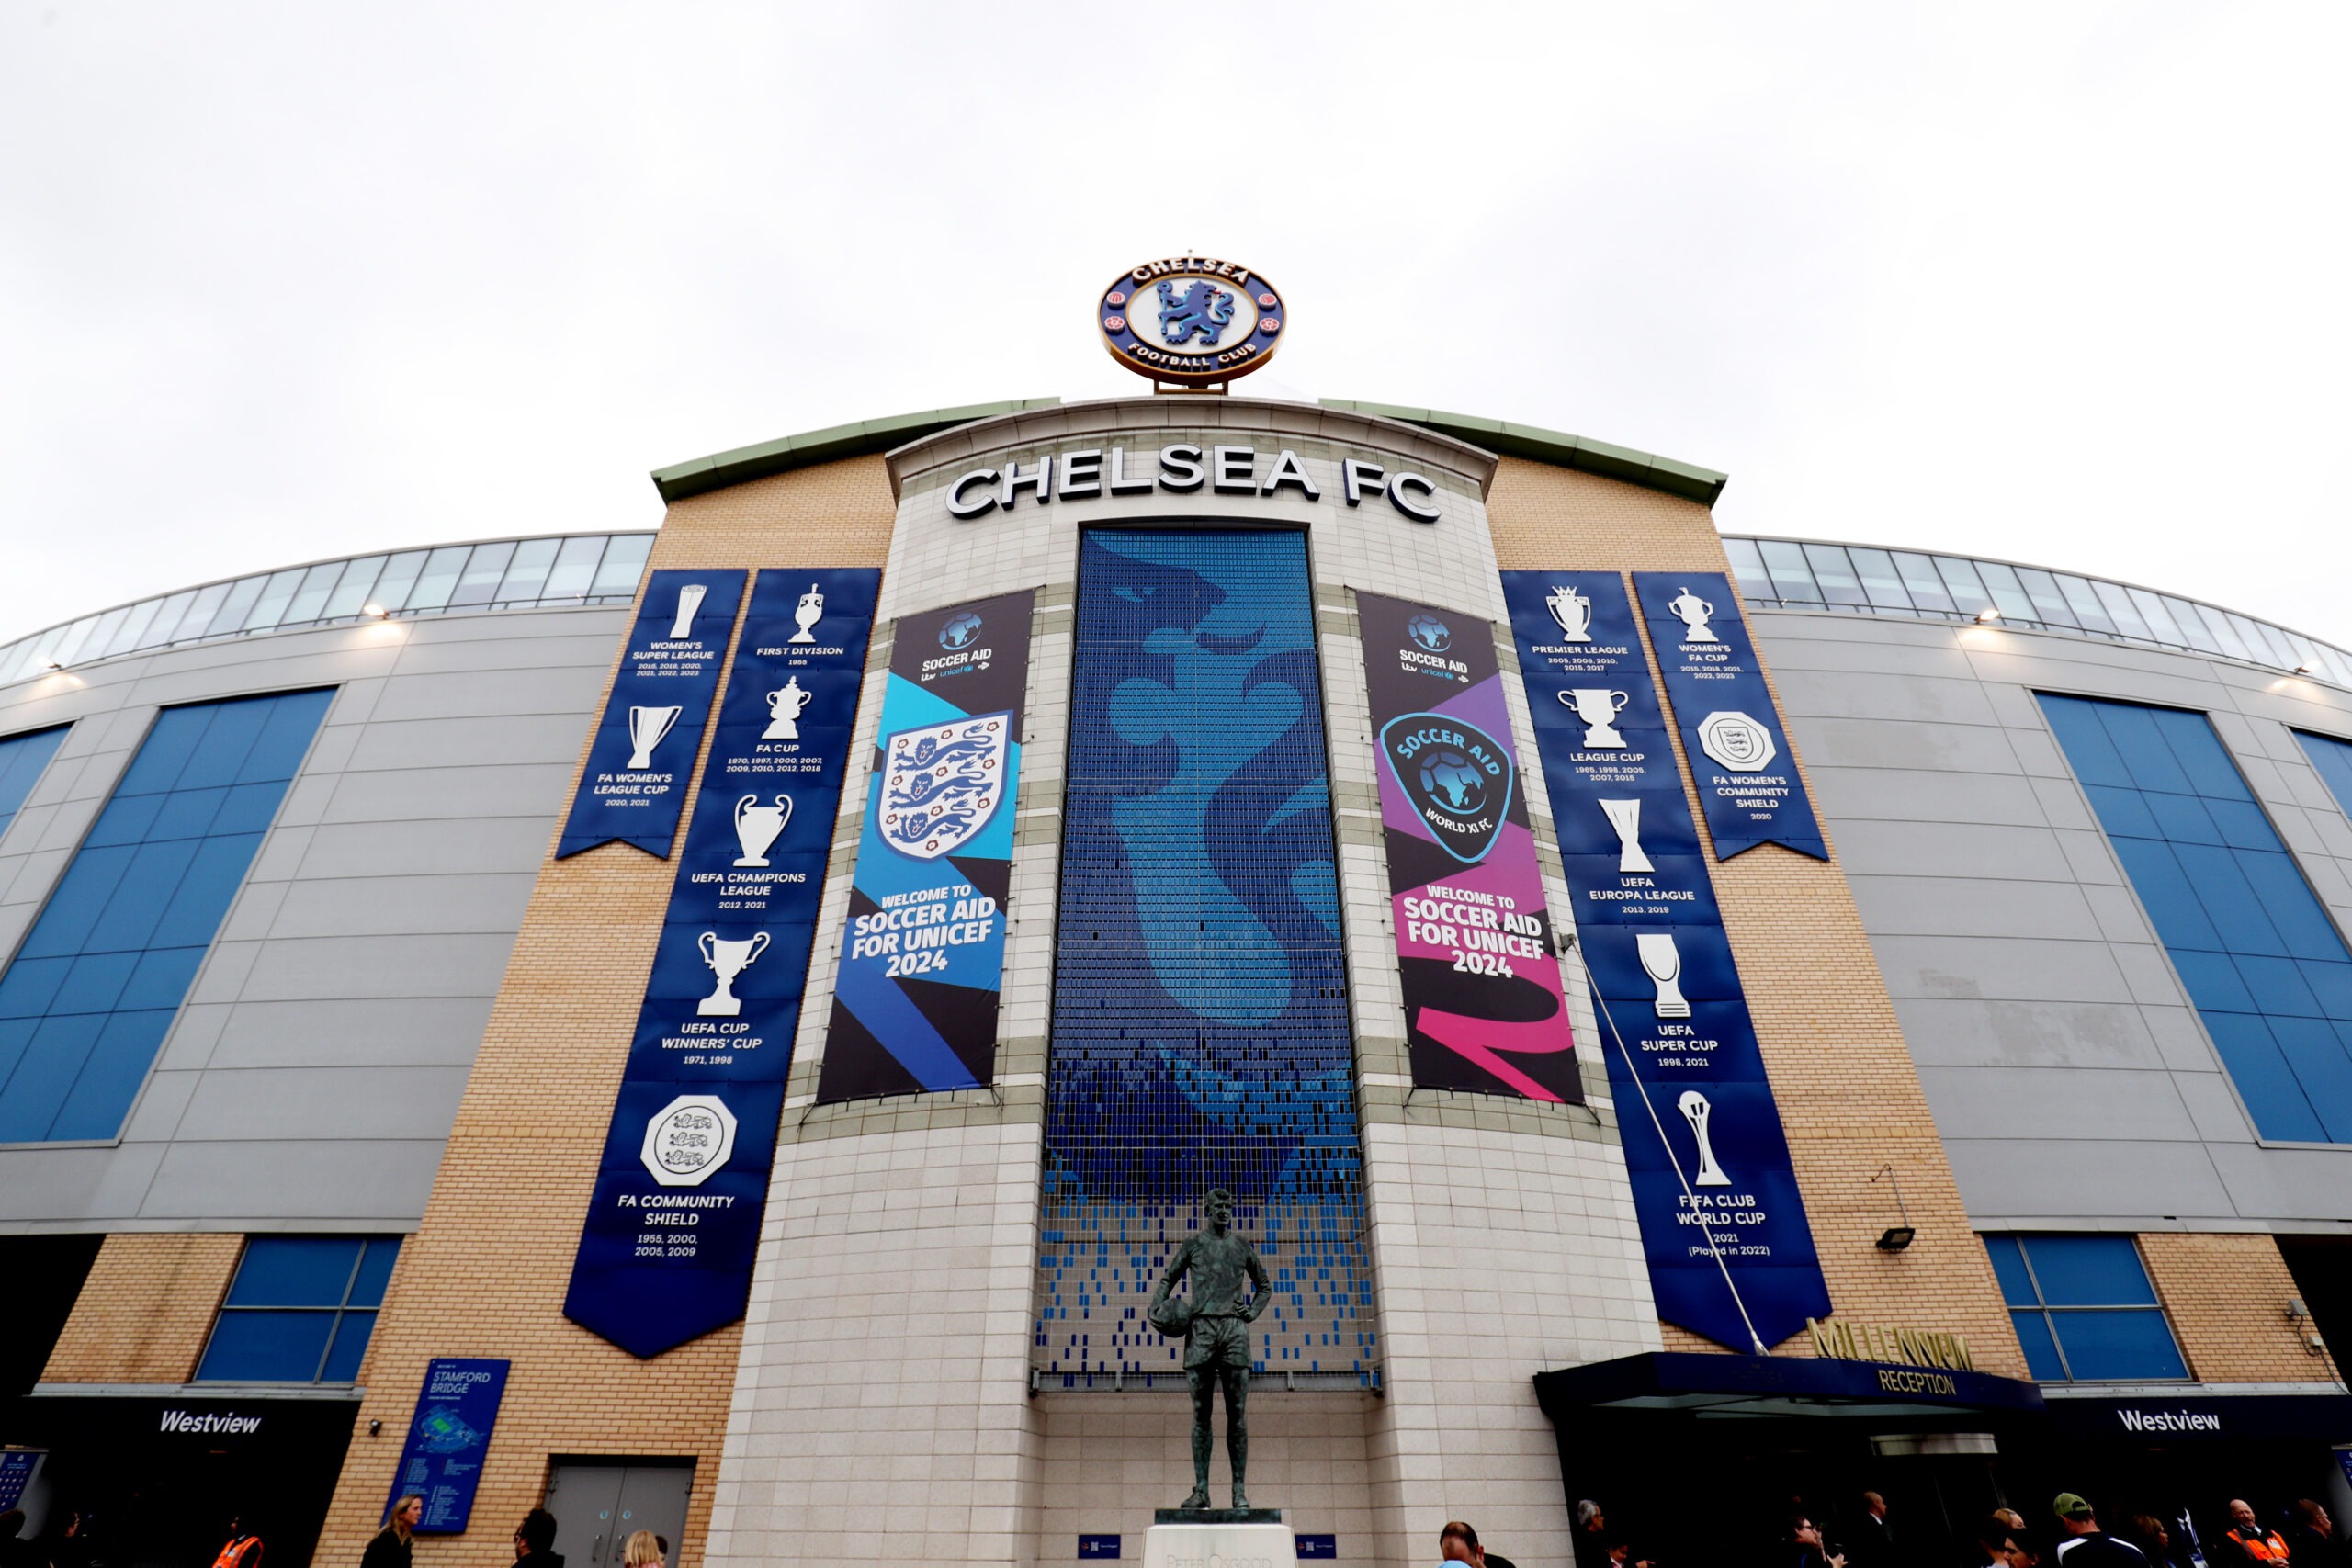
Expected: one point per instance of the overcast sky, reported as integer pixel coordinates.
(2065, 283)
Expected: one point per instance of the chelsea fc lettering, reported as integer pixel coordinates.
(1182, 469)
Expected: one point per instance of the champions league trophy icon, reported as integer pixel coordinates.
(1625, 816)
(1693, 613)
(1695, 1111)
(645, 728)
(757, 827)
(1598, 706)
(727, 960)
(786, 704)
(1664, 966)
(1573, 611)
(810, 611)
(682, 625)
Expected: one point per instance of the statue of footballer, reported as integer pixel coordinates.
(1214, 1323)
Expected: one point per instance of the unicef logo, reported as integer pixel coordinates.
(1448, 777)
(959, 631)
(1430, 633)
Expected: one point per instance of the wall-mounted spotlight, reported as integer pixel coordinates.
(374, 1426)
(1894, 1238)
(378, 611)
(2303, 669)
(1984, 616)
(2296, 1310)
(50, 664)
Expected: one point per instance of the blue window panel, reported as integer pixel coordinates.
(2008, 1266)
(126, 821)
(220, 751)
(2331, 986)
(2332, 758)
(22, 758)
(2089, 1270)
(2219, 883)
(2117, 1346)
(2242, 824)
(2041, 1362)
(164, 752)
(2277, 986)
(2088, 751)
(55, 1058)
(2167, 893)
(155, 872)
(2250, 1055)
(295, 1271)
(2214, 980)
(2125, 811)
(201, 901)
(2181, 819)
(81, 898)
(110, 1077)
(375, 1271)
(350, 1344)
(267, 1346)
(93, 982)
(30, 986)
(2314, 1053)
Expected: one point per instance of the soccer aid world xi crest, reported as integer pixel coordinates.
(1191, 321)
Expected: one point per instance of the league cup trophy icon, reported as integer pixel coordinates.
(1573, 611)
(645, 728)
(1695, 1111)
(1625, 816)
(757, 827)
(727, 960)
(1693, 613)
(810, 611)
(1664, 966)
(1598, 706)
(682, 625)
(786, 704)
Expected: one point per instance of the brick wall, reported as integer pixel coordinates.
(146, 1309)
(2227, 1298)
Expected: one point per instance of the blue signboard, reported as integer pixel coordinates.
(17, 1469)
(1748, 782)
(1097, 1548)
(674, 1222)
(1730, 1254)
(634, 782)
(441, 1462)
(1317, 1548)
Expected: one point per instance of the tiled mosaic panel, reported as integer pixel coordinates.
(1200, 1033)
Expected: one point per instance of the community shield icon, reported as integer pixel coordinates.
(942, 783)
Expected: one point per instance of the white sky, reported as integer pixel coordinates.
(2065, 283)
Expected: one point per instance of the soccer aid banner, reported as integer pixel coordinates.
(1724, 1228)
(675, 1220)
(1732, 733)
(1484, 1009)
(922, 957)
(634, 782)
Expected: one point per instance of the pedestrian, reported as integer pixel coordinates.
(1873, 1545)
(643, 1550)
(2248, 1545)
(2148, 1533)
(1810, 1549)
(66, 1544)
(244, 1547)
(1457, 1542)
(2085, 1545)
(2311, 1534)
(390, 1547)
(535, 1538)
(1590, 1536)
(1993, 1533)
(2026, 1549)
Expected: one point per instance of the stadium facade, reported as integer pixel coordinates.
(719, 1030)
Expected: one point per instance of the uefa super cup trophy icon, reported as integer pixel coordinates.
(682, 624)
(1573, 611)
(786, 705)
(757, 827)
(1663, 963)
(645, 728)
(1598, 706)
(1695, 1111)
(810, 611)
(727, 960)
(1625, 816)
(1693, 613)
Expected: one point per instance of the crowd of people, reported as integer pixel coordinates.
(67, 1545)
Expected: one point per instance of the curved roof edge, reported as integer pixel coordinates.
(867, 437)
(1555, 446)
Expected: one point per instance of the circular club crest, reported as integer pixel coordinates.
(1191, 321)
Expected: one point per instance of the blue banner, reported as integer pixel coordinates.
(1722, 1226)
(456, 1411)
(922, 957)
(634, 782)
(674, 1222)
(1748, 782)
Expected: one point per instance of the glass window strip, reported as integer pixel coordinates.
(1880, 582)
(355, 591)
(1926, 585)
(1791, 576)
(310, 598)
(2120, 610)
(526, 574)
(1840, 585)
(275, 594)
(1747, 570)
(2084, 601)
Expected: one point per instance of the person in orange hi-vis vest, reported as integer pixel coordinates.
(244, 1550)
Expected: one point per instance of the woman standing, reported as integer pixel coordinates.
(643, 1549)
(390, 1547)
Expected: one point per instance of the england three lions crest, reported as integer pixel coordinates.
(942, 783)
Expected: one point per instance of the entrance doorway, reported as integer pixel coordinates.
(599, 1504)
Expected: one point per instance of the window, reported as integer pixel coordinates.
(2083, 1309)
(22, 758)
(2331, 755)
(299, 1310)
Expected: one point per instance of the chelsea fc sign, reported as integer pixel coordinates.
(1192, 321)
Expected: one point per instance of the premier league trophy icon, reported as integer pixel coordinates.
(645, 728)
(1693, 613)
(1664, 966)
(1625, 816)
(1598, 706)
(1695, 1111)
(786, 705)
(1573, 611)
(682, 624)
(727, 960)
(757, 827)
(811, 610)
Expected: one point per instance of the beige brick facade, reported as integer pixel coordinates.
(2227, 1297)
(145, 1310)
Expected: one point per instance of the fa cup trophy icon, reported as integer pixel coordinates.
(1625, 816)
(682, 624)
(645, 728)
(1573, 611)
(1693, 613)
(757, 827)
(1664, 966)
(786, 705)
(810, 611)
(1598, 706)
(1695, 1111)
(727, 960)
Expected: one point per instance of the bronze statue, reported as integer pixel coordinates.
(1216, 1325)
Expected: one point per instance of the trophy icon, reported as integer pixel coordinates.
(1693, 613)
(1598, 706)
(1695, 1111)
(727, 960)
(645, 728)
(1573, 611)
(757, 827)
(1664, 966)
(1625, 816)
(786, 705)
(810, 611)
(682, 624)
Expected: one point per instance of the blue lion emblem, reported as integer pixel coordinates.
(960, 630)
(1429, 632)
(1448, 778)
(1203, 309)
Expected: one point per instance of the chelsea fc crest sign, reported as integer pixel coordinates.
(1192, 321)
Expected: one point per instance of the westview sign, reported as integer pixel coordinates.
(228, 1423)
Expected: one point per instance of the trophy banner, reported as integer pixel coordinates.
(667, 1250)
(923, 956)
(1724, 1227)
(634, 782)
(1483, 1008)
(1732, 732)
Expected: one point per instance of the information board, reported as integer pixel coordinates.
(455, 1412)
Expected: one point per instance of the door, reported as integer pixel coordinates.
(598, 1507)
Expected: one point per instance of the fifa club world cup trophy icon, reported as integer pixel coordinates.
(757, 827)
(1693, 613)
(1214, 1322)
(1597, 707)
(681, 622)
(645, 728)
(786, 704)
(1625, 816)
(1663, 963)
(810, 611)
(1573, 611)
(1695, 1111)
(727, 960)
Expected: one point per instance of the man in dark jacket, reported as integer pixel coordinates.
(2310, 1535)
(534, 1540)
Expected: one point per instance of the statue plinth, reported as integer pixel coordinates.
(1192, 1541)
(1217, 1516)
